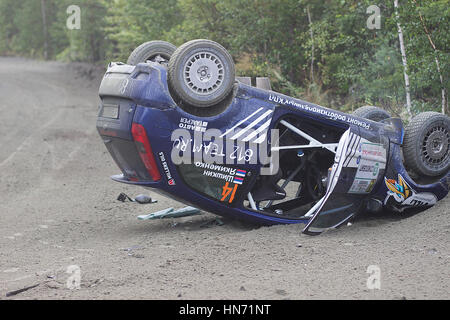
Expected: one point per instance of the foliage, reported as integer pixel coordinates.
(335, 60)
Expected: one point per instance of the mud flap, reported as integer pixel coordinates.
(337, 206)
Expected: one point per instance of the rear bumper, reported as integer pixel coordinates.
(129, 148)
(122, 90)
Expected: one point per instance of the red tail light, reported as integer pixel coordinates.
(145, 151)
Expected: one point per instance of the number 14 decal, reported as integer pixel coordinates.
(226, 191)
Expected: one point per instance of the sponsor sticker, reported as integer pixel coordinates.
(170, 179)
(194, 125)
(367, 155)
(368, 170)
(362, 186)
(400, 195)
(330, 114)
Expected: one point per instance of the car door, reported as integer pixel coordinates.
(359, 164)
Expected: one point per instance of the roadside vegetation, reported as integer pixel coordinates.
(337, 53)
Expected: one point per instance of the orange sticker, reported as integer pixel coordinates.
(226, 190)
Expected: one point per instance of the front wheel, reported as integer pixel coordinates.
(426, 146)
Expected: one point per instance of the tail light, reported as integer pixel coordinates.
(145, 151)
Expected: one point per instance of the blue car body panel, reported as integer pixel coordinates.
(142, 96)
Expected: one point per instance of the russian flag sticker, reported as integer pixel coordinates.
(241, 173)
(238, 180)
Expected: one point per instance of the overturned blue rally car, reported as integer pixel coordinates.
(178, 121)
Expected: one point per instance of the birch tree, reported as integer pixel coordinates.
(45, 29)
(312, 43)
(404, 60)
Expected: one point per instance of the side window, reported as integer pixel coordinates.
(221, 182)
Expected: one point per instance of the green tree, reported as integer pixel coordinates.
(132, 22)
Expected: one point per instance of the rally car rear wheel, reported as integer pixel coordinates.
(371, 113)
(426, 146)
(156, 51)
(201, 73)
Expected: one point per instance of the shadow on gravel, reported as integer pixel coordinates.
(207, 222)
(202, 223)
(384, 217)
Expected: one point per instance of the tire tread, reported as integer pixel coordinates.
(141, 52)
(371, 113)
(413, 132)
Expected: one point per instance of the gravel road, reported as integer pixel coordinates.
(59, 213)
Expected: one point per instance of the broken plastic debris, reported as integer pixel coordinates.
(122, 197)
(170, 213)
(155, 215)
(142, 198)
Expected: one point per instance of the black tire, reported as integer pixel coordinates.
(153, 51)
(201, 73)
(426, 146)
(371, 113)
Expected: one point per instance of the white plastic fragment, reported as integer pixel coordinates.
(155, 215)
(170, 213)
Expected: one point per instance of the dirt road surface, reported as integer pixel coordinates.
(59, 213)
